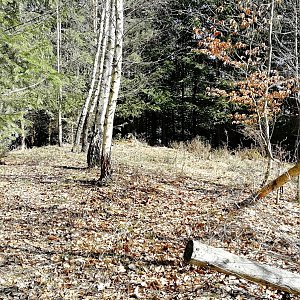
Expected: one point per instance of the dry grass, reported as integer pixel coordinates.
(242, 169)
(62, 237)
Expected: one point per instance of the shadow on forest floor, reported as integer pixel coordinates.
(72, 168)
(62, 235)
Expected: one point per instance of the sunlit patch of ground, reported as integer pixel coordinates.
(63, 237)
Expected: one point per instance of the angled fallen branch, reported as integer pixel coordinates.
(201, 254)
(279, 181)
(270, 187)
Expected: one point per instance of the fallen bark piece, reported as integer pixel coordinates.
(279, 181)
(223, 261)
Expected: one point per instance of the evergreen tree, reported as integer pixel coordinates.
(171, 102)
(26, 64)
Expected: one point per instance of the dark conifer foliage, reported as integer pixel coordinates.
(172, 103)
(165, 80)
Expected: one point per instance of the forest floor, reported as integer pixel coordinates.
(63, 237)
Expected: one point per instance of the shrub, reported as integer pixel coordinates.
(198, 147)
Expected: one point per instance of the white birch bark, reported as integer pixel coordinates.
(87, 123)
(95, 147)
(107, 70)
(95, 16)
(115, 87)
(95, 102)
(266, 126)
(297, 154)
(23, 133)
(59, 98)
(86, 105)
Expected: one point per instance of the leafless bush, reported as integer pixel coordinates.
(198, 146)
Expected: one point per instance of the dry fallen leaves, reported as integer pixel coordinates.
(62, 237)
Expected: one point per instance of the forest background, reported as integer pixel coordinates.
(225, 71)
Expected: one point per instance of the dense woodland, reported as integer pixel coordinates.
(226, 71)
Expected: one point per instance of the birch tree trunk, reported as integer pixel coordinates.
(85, 108)
(115, 87)
(23, 133)
(59, 98)
(95, 148)
(88, 119)
(94, 105)
(266, 126)
(297, 7)
(95, 17)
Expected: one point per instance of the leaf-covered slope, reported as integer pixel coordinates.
(62, 237)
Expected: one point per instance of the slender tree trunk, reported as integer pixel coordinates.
(297, 7)
(106, 169)
(271, 37)
(182, 110)
(60, 126)
(85, 108)
(72, 134)
(95, 148)
(266, 125)
(23, 134)
(88, 120)
(59, 98)
(95, 17)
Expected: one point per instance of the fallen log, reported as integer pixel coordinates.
(270, 187)
(223, 261)
(279, 181)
